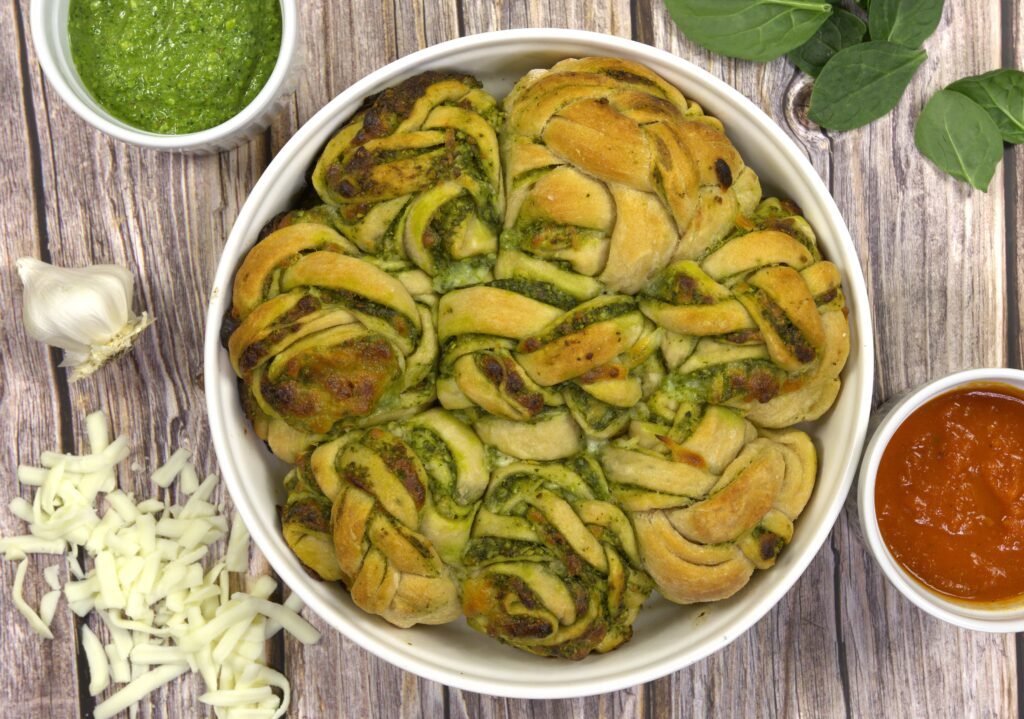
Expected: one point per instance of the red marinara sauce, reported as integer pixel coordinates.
(949, 493)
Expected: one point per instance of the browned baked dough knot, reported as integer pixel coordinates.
(758, 322)
(388, 512)
(617, 365)
(335, 304)
(553, 565)
(612, 171)
(713, 504)
(325, 340)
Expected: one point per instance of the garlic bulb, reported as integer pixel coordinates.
(86, 311)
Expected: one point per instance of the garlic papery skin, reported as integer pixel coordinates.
(85, 311)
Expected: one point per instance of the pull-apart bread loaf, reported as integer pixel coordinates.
(533, 361)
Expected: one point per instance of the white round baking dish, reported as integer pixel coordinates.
(667, 637)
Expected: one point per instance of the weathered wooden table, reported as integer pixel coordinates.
(943, 267)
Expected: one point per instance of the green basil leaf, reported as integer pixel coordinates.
(1001, 94)
(866, 4)
(904, 22)
(956, 133)
(862, 83)
(759, 30)
(843, 29)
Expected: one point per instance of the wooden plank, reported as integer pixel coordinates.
(421, 24)
(788, 662)
(934, 257)
(1013, 56)
(165, 218)
(344, 42)
(625, 703)
(29, 396)
(614, 17)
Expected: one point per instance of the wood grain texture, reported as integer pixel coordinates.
(28, 399)
(771, 661)
(934, 256)
(1013, 56)
(945, 273)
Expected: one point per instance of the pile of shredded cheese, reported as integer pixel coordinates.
(166, 613)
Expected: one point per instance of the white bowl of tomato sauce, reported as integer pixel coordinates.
(170, 76)
(941, 498)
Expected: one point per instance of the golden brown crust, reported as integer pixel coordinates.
(254, 278)
(675, 184)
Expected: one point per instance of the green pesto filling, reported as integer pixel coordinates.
(788, 332)
(174, 67)
(463, 273)
(357, 303)
(544, 239)
(595, 415)
(441, 469)
(583, 318)
(537, 290)
(755, 379)
(531, 176)
(482, 551)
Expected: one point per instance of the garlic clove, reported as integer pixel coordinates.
(84, 311)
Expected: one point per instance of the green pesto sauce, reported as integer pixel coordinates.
(174, 66)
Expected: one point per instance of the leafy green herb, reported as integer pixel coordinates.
(960, 137)
(843, 29)
(904, 22)
(862, 83)
(749, 29)
(1001, 94)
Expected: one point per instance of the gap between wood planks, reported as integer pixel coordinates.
(1011, 51)
(1011, 193)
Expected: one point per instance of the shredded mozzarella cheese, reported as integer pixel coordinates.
(96, 658)
(166, 474)
(139, 687)
(237, 555)
(34, 620)
(165, 614)
(48, 606)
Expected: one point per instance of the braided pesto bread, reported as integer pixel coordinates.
(325, 340)
(711, 499)
(617, 329)
(553, 565)
(416, 179)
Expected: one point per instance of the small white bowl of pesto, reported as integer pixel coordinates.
(187, 77)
